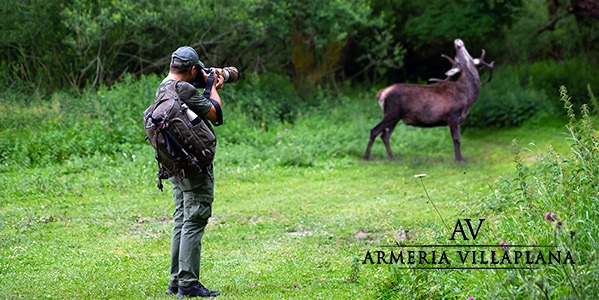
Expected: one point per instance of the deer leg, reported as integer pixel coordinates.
(374, 132)
(454, 127)
(387, 135)
(384, 128)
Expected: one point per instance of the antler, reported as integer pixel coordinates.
(454, 70)
(481, 61)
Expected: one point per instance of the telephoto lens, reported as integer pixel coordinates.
(231, 74)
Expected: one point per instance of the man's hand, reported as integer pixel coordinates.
(219, 82)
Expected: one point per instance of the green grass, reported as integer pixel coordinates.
(296, 207)
(98, 227)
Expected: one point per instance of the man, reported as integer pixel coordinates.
(193, 190)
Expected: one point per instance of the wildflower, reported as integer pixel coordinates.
(278, 136)
(286, 129)
(470, 298)
(420, 175)
(504, 247)
(550, 217)
(559, 224)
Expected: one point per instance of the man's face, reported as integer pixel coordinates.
(193, 72)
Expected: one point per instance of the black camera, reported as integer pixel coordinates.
(231, 75)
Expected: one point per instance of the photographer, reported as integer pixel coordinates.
(193, 190)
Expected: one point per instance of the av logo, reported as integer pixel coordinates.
(460, 228)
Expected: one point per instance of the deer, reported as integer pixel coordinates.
(441, 103)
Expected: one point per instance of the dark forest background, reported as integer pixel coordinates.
(55, 45)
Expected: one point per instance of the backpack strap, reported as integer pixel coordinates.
(156, 101)
(174, 88)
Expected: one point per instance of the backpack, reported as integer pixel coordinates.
(182, 140)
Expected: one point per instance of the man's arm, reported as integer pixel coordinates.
(212, 113)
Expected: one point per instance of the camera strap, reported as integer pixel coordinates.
(209, 83)
(207, 92)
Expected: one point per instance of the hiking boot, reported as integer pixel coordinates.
(196, 290)
(172, 290)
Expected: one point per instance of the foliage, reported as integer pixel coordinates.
(90, 43)
(29, 29)
(579, 75)
(49, 132)
(553, 202)
(57, 45)
(97, 42)
(315, 35)
(518, 94)
(528, 42)
(562, 189)
(107, 122)
(505, 102)
(382, 53)
(441, 22)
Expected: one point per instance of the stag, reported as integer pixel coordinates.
(442, 103)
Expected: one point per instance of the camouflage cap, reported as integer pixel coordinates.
(187, 57)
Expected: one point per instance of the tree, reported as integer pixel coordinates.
(315, 35)
(85, 43)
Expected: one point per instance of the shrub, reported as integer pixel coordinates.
(518, 93)
(576, 74)
(506, 102)
(46, 131)
(108, 122)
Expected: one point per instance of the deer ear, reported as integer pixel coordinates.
(452, 71)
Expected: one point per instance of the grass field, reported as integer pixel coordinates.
(98, 228)
(297, 209)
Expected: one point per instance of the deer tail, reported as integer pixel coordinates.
(381, 95)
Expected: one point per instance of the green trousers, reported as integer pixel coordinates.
(193, 207)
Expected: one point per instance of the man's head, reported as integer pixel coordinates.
(184, 59)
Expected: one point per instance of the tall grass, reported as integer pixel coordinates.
(553, 201)
(507, 102)
(51, 131)
(556, 202)
(38, 130)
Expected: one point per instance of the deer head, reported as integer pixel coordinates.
(463, 61)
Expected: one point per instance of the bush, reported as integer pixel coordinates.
(307, 135)
(506, 102)
(265, 99)
(518, 93)
(576, 74)
(109, 122)
(43, 132)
